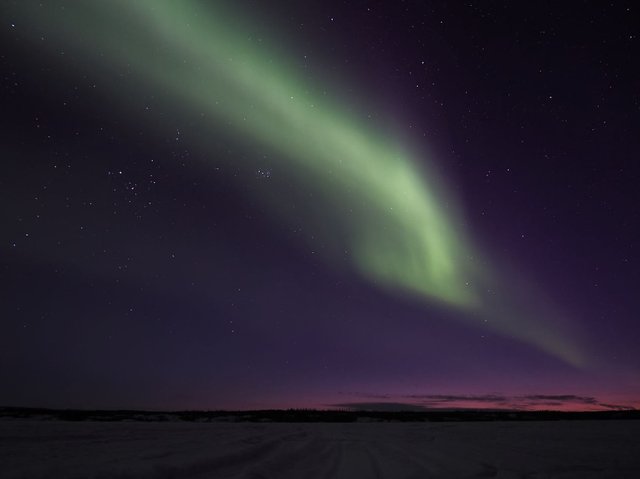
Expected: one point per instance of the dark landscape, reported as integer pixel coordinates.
(312, 415)
(48, 444)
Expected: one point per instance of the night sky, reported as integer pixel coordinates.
(389, 204)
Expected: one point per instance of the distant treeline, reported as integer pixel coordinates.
(308, 415)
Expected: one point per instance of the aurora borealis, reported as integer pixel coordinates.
(400, 233)
(246, 216)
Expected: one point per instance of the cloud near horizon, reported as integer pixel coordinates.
(426, 402)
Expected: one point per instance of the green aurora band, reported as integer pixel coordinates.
(367, 195)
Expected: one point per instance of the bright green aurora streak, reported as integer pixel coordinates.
(370, 197)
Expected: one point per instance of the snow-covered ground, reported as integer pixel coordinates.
(563, 449)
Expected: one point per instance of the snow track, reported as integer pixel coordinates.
(525, 450)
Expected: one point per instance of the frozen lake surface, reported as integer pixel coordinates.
(560, 449)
